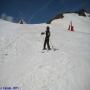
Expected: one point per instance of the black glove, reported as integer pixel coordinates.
(42, 33)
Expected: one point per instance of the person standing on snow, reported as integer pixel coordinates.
(46, 42)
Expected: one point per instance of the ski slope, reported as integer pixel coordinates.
(22, 63)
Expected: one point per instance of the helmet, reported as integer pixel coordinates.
(48, 28)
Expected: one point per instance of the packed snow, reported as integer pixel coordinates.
(23, 65)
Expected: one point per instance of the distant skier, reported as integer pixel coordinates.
(46, 42)
(71, 27)
(21, 22)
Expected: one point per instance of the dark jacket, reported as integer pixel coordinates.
(47, 34)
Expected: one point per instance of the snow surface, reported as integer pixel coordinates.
(23, 64)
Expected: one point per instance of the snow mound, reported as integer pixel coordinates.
(22, 63)
(80, 23)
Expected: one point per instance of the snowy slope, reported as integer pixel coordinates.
(23, 65)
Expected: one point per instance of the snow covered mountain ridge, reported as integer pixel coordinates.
(81, 12)
(23, 65)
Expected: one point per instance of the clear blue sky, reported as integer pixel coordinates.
(38, 11)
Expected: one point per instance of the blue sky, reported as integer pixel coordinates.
(39, 11)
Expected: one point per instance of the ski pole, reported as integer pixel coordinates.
(51, 45)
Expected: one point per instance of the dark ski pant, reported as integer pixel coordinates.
(46, 42)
